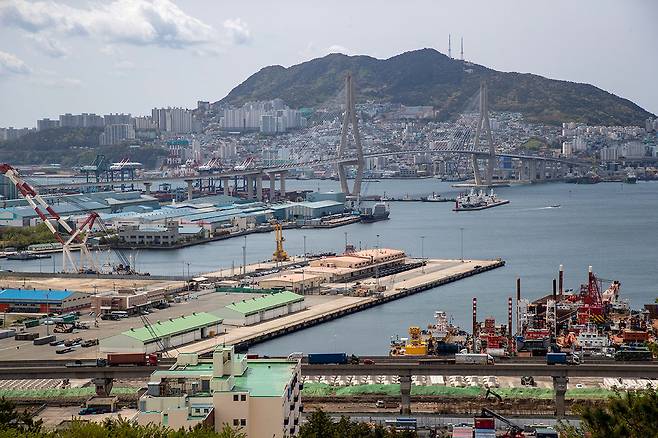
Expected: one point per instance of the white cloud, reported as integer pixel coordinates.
(49, 46)
(56, 82)
(138, 22)
(12, 65)
(337, 48)
(237, 31)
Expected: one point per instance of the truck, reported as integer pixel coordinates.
(87, 363)
(138, 359)
(474, 359)
(331, 358)
(562, 359)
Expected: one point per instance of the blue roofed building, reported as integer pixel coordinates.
(42, 301)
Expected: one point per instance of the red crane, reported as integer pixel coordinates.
(592, 309)
(69, 236)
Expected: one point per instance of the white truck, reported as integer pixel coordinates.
(474, 359)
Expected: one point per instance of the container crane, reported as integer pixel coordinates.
(52, 219)
(513, 431)
(280, 255)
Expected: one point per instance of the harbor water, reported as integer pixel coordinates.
(610, 226)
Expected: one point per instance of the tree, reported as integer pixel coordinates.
(10, 418)
(228, 432)
(633, 414)
(320, 425)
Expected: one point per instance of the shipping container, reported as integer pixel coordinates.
(26, 336)
(462, 432)
(484, 433)
(7, 333)
(114, 359)
(485, 423)
(474, 358)
(44, 340)
(327, 358)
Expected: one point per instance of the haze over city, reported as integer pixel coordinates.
(132, 55)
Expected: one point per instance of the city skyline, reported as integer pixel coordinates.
(132, 55)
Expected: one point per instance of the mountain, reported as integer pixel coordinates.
(427, 77)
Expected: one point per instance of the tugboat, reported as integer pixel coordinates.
(432, 198)
(377, 212)
(478, 201)
(630, 178)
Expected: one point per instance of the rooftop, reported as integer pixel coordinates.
(258, 304)
(173, 326)
(265, 378)
(34, 295)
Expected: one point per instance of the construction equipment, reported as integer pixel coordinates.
(491, 393)
(592, 309)
(66, 235)
(280, 255)
(513, 431)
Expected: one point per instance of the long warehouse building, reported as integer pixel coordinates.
(168, 334)
(263, 308)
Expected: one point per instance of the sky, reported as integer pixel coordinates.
(129, 56)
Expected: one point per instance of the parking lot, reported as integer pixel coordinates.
(204, 301)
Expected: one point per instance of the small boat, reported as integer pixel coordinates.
(432, 198)
(378, 212)
(555, 206)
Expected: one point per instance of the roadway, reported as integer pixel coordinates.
(58, 369)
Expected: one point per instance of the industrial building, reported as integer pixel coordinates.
(259, 396)
(42, 301)
(298, 282)
(263, 308)
(355, 265)
(169, 333)
(127, 300)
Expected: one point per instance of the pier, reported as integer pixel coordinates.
(434, 273)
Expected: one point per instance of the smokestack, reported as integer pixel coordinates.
(518, 299)
(475, 321)
(462, 54)
(555, 289)
(449, 48)
(561, 280)
(509, 316)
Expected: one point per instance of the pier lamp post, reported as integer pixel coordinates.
(244, 256)
(422, 247)
(461, 239)
(305, 247)
(377, 247)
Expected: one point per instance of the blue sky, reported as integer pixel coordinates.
(61, 56)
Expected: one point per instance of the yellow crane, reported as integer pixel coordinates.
(280, 255)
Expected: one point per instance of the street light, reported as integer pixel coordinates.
(304, 247)
(377, 247)
(422, 247)
(461, 233)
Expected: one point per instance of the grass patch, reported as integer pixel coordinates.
(59, 392)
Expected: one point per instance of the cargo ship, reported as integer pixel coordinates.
(480, 200)
(439, 339)
(378, 212)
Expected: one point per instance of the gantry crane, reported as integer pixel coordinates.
(280, 255)
(67, 235)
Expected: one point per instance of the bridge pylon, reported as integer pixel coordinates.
(349, 117)
(484, 125)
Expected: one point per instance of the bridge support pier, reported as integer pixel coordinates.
(542, 170)
(282, 189)
(225, 186)
(532, 170)
(147, 188)
(405, 395)
(250, 186)
(560, 388)
(103, 386)
(190, 189)
(272, 187)
(476, 170)
(259, 187)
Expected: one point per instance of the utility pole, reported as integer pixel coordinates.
(345, 233)
(377, 247)
(244, 257)
(461, 232)
(305, 258)
(422, 247)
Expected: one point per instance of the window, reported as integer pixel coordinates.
(236, 422)
(243, 397)
(235, 397)
(243, 422)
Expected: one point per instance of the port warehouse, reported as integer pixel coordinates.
(169, 333)
(340, 268)
(128, 300)
(263, 308)
(117, 209)
(42, 301)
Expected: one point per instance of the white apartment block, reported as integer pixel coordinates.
(259, 396)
